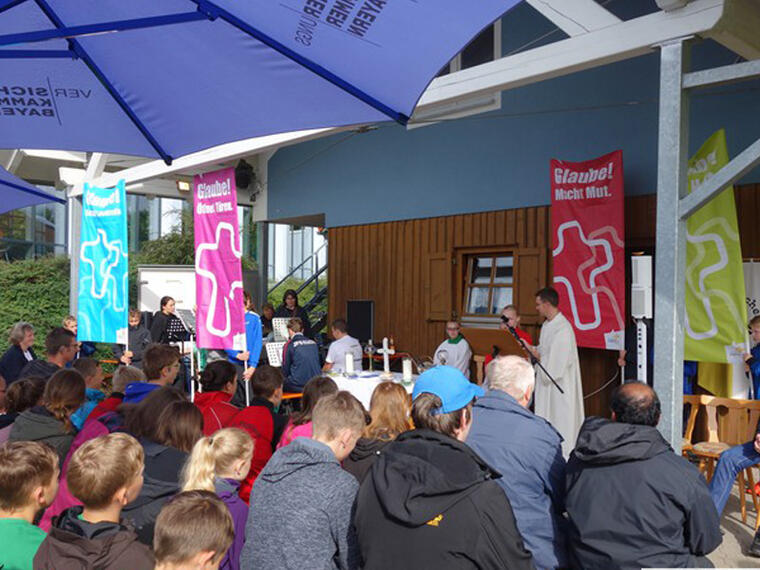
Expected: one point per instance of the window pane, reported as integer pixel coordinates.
(477, 301)
(504, 270)
(480, 50)
(481, 270)
(501, 297)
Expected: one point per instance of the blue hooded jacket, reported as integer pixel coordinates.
(92, 398)
(527, 450)
(136, 391)
(253, 341)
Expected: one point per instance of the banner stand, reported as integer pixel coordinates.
(247, 386)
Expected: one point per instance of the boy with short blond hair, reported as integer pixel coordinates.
(105, 474)
(28, 483)
(193, 530)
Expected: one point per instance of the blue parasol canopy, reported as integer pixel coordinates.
(170, 77)
(16, 193)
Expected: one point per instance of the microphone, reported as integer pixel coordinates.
(533, 360)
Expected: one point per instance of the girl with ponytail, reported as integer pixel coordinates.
(218, 463)
(51, 422)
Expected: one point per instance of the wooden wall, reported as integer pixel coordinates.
(394, 263)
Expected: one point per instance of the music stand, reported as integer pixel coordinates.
(274, 353)
(280, 329)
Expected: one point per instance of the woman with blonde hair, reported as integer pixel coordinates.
(51, 422)
(389, 410)
(218, 463)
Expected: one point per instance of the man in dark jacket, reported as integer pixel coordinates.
(429, 500)
(631, 501)
(139, 339)
(515, 441)
(61, 347)
(300, 362)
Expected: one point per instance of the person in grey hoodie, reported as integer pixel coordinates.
(51, 422)
(301, 504)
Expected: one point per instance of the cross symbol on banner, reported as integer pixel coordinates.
(208, 257)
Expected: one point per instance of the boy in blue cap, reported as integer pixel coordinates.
(429, 500)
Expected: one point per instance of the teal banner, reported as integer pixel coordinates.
(103, 267)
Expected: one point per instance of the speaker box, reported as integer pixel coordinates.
(360, 315)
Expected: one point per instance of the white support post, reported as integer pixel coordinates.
(95, 167)
(670, 247)
(14, 161)
(74, 210)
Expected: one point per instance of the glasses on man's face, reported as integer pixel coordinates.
(452, 330)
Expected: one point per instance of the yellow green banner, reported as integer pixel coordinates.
(715, 324)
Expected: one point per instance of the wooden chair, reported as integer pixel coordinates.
(479, 363)
(753, 407)
(695, 402)
(729, 424)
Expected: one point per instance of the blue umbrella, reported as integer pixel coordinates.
(164, 79)
(16, 193)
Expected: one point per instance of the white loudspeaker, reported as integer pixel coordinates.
(641, 286)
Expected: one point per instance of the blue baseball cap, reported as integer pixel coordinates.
(450, 385)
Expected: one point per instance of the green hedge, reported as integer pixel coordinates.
(37, 290)
(34, 290)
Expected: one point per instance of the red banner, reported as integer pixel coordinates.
(588, 248)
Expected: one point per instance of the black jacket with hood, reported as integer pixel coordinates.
(75, 544)
(160, 483)
(633, 503)
(429, 501)
(363, 456)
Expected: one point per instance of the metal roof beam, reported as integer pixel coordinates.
(575, 17)
(738, 28)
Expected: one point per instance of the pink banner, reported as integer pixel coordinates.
(220, 320)
(588, 249)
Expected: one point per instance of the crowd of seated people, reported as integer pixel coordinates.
(454, 475)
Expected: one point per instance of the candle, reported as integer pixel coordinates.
(407, 366)
(349, 363)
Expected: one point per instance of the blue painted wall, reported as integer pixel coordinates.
(501, 159)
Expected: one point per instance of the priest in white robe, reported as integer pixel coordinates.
(558, 353)
(455, 350)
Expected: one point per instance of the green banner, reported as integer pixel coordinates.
(716, 319)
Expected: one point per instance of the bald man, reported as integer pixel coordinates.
(631, 501)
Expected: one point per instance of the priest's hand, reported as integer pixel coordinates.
(757, 443)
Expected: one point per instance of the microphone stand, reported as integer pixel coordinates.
(533, 360)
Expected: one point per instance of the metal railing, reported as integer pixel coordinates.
(298, 267)
(319, 292)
